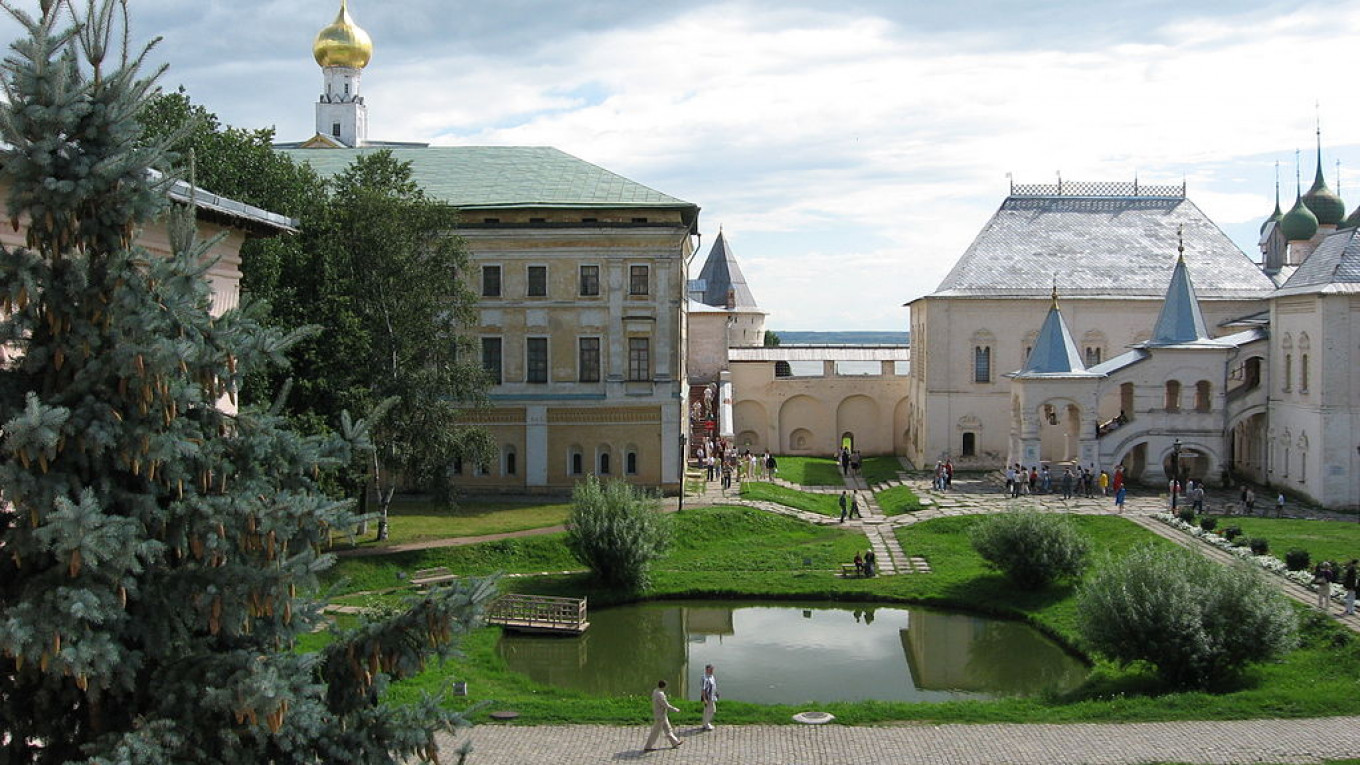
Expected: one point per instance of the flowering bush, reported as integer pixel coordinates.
(1224, 542)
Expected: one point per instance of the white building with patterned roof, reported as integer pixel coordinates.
(1169, 350)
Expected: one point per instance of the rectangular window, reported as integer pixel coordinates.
(491, 358)
(638, 281)
(588, 359)
(590, 281)
(491, 281)
(639, 359)
(538, 281)
(536, 366)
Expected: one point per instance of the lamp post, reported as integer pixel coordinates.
(1175, 471)
(684, 462)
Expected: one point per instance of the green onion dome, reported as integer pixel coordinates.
(1299, 224)
(1324, 204)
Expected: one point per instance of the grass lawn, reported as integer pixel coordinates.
(1324, 540)
(517, 554)
(822, 504)
(809, 471)
(416, 520)
(898, 500)
(743, 553)
(880, 469)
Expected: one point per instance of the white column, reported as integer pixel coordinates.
(536, 446)
(725, 404)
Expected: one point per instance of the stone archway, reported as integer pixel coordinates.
(812, 417)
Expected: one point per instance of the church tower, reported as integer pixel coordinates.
(342, 50)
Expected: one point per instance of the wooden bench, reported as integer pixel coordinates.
(428, 576)
(850, 570)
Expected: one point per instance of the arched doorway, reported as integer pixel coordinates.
(1195, 464)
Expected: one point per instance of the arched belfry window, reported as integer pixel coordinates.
(982, 342)
(982, 364)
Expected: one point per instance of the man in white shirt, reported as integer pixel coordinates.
(708, 693)
(661, 721)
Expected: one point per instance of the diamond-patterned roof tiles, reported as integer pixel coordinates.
(1335, 261)
(1095, 246)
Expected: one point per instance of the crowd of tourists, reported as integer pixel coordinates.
(1075, 480)
(721, 461)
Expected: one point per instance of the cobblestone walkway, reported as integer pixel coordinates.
(1247, 741)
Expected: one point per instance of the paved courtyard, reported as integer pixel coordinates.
(1253, 741)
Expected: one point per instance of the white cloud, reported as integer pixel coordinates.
(851, 154)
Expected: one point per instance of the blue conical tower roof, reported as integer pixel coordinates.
(1054, 352)
(721, 275)
(1180, 320)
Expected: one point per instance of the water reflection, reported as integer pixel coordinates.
(792, 653)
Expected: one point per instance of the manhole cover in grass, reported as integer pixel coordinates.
(813, 718)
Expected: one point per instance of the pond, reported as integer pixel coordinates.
(790, 653)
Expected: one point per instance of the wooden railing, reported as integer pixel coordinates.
(538, 613)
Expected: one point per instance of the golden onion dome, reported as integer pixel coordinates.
(343, 43)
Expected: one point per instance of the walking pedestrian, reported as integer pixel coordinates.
(843, 506)
(1279, 505)
(854, 506)
(708, 693)
(1348, 580)
(1120, 495)
(1322, 579)
(661, 720)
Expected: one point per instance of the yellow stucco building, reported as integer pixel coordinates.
(581, 278)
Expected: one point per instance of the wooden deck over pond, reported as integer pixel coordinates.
(539, 613)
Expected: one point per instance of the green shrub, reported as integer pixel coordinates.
(1030, 548)
(1297, 559)
(1208, 524)
(1186, 513)
(616, 530)
(1232, 532)
(1259, 545)
(1196, 621)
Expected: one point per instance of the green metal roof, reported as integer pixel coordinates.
(486, 177)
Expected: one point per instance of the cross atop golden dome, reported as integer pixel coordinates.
(343, 43)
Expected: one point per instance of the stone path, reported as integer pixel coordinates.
(1255, 741)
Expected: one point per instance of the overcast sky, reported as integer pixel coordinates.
(850, 150)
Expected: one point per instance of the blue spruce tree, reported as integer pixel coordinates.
(159, 553)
